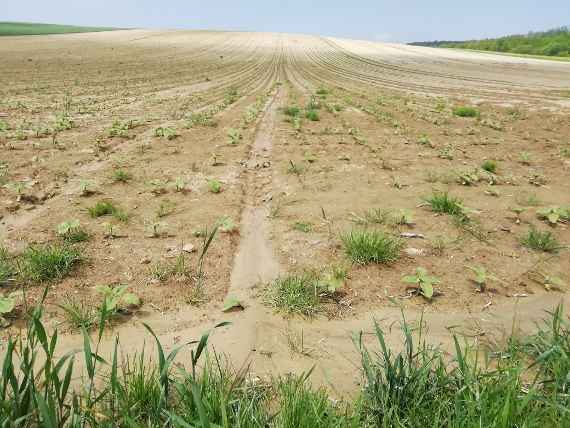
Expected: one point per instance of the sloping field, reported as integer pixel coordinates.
(304, 152)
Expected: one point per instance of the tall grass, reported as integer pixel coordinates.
(524, 384)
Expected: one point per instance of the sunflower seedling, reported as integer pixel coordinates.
(422, 283)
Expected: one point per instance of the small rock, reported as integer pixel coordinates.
(145, 261)
(412, 252)
(188, 248)
(412, 235)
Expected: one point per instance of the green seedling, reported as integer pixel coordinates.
(117, 298)
(214, 186)
(71, 231)
(554, 215)
(422, 282)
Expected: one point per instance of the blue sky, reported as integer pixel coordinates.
(402, 21)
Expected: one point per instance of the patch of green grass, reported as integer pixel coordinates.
(7, 269)
(540, 241)
(466, 111)
(47, 263)
(78, 314)
(490, 166)
(295, 294)
(304, 407)
(30, 28)
(371, 246)
(312, 115)
(72, 232)
(303, 227)
(121, 176)
(443, 203)
(103, 208)
(292, 111)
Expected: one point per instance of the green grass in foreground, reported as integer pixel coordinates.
(524, 383)
(30, 28)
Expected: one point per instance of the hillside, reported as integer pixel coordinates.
(555, 42)
(30, 28)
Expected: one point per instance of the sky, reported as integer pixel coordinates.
(380, 20)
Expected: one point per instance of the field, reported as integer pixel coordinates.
(30, 29)
(299, 187)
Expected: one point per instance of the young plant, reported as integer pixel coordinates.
(118, 298)
(554, 215)
(72, 232)
(292, 111)
(312, 115)
(303, 227)
(482, 276)
(166, 132)
(235, 136)
(422, 282)
(371, 246)
(214, 186)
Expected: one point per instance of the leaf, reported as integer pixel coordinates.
(426, 290)
(131, 299)
(7, 305)
(232, 303)
(553, 217)
(410, 279)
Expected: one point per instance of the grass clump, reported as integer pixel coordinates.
(121, 176)
(72, 232)
(371, 246)
(47, 263)
(540, 241)
(292, 111)
(312, 115)
(445, 204)
(466, 111)
(490, 166)
(295, 294)
(103, 208)
(7, 270)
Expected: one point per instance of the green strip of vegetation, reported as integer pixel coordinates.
(551, 43)
(30, 29)
(522, 383)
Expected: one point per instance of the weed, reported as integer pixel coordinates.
(78, 314)
(292, 111)
(303, 227)
(445, 204)
(63, 122)
(525, 158)
(364, 246)
(121, 128)
(295, 294)
(7, 269)
(48, 263)
(295, 168)
(235, 136)
(489, 166)
(165, 209)
(166, 132)
(72, 232)
(540, 241)
(103, 208)
(118, 298)
(180, 185)
(312, 115)
(121, 176)
(214, 186)
(465, 111)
